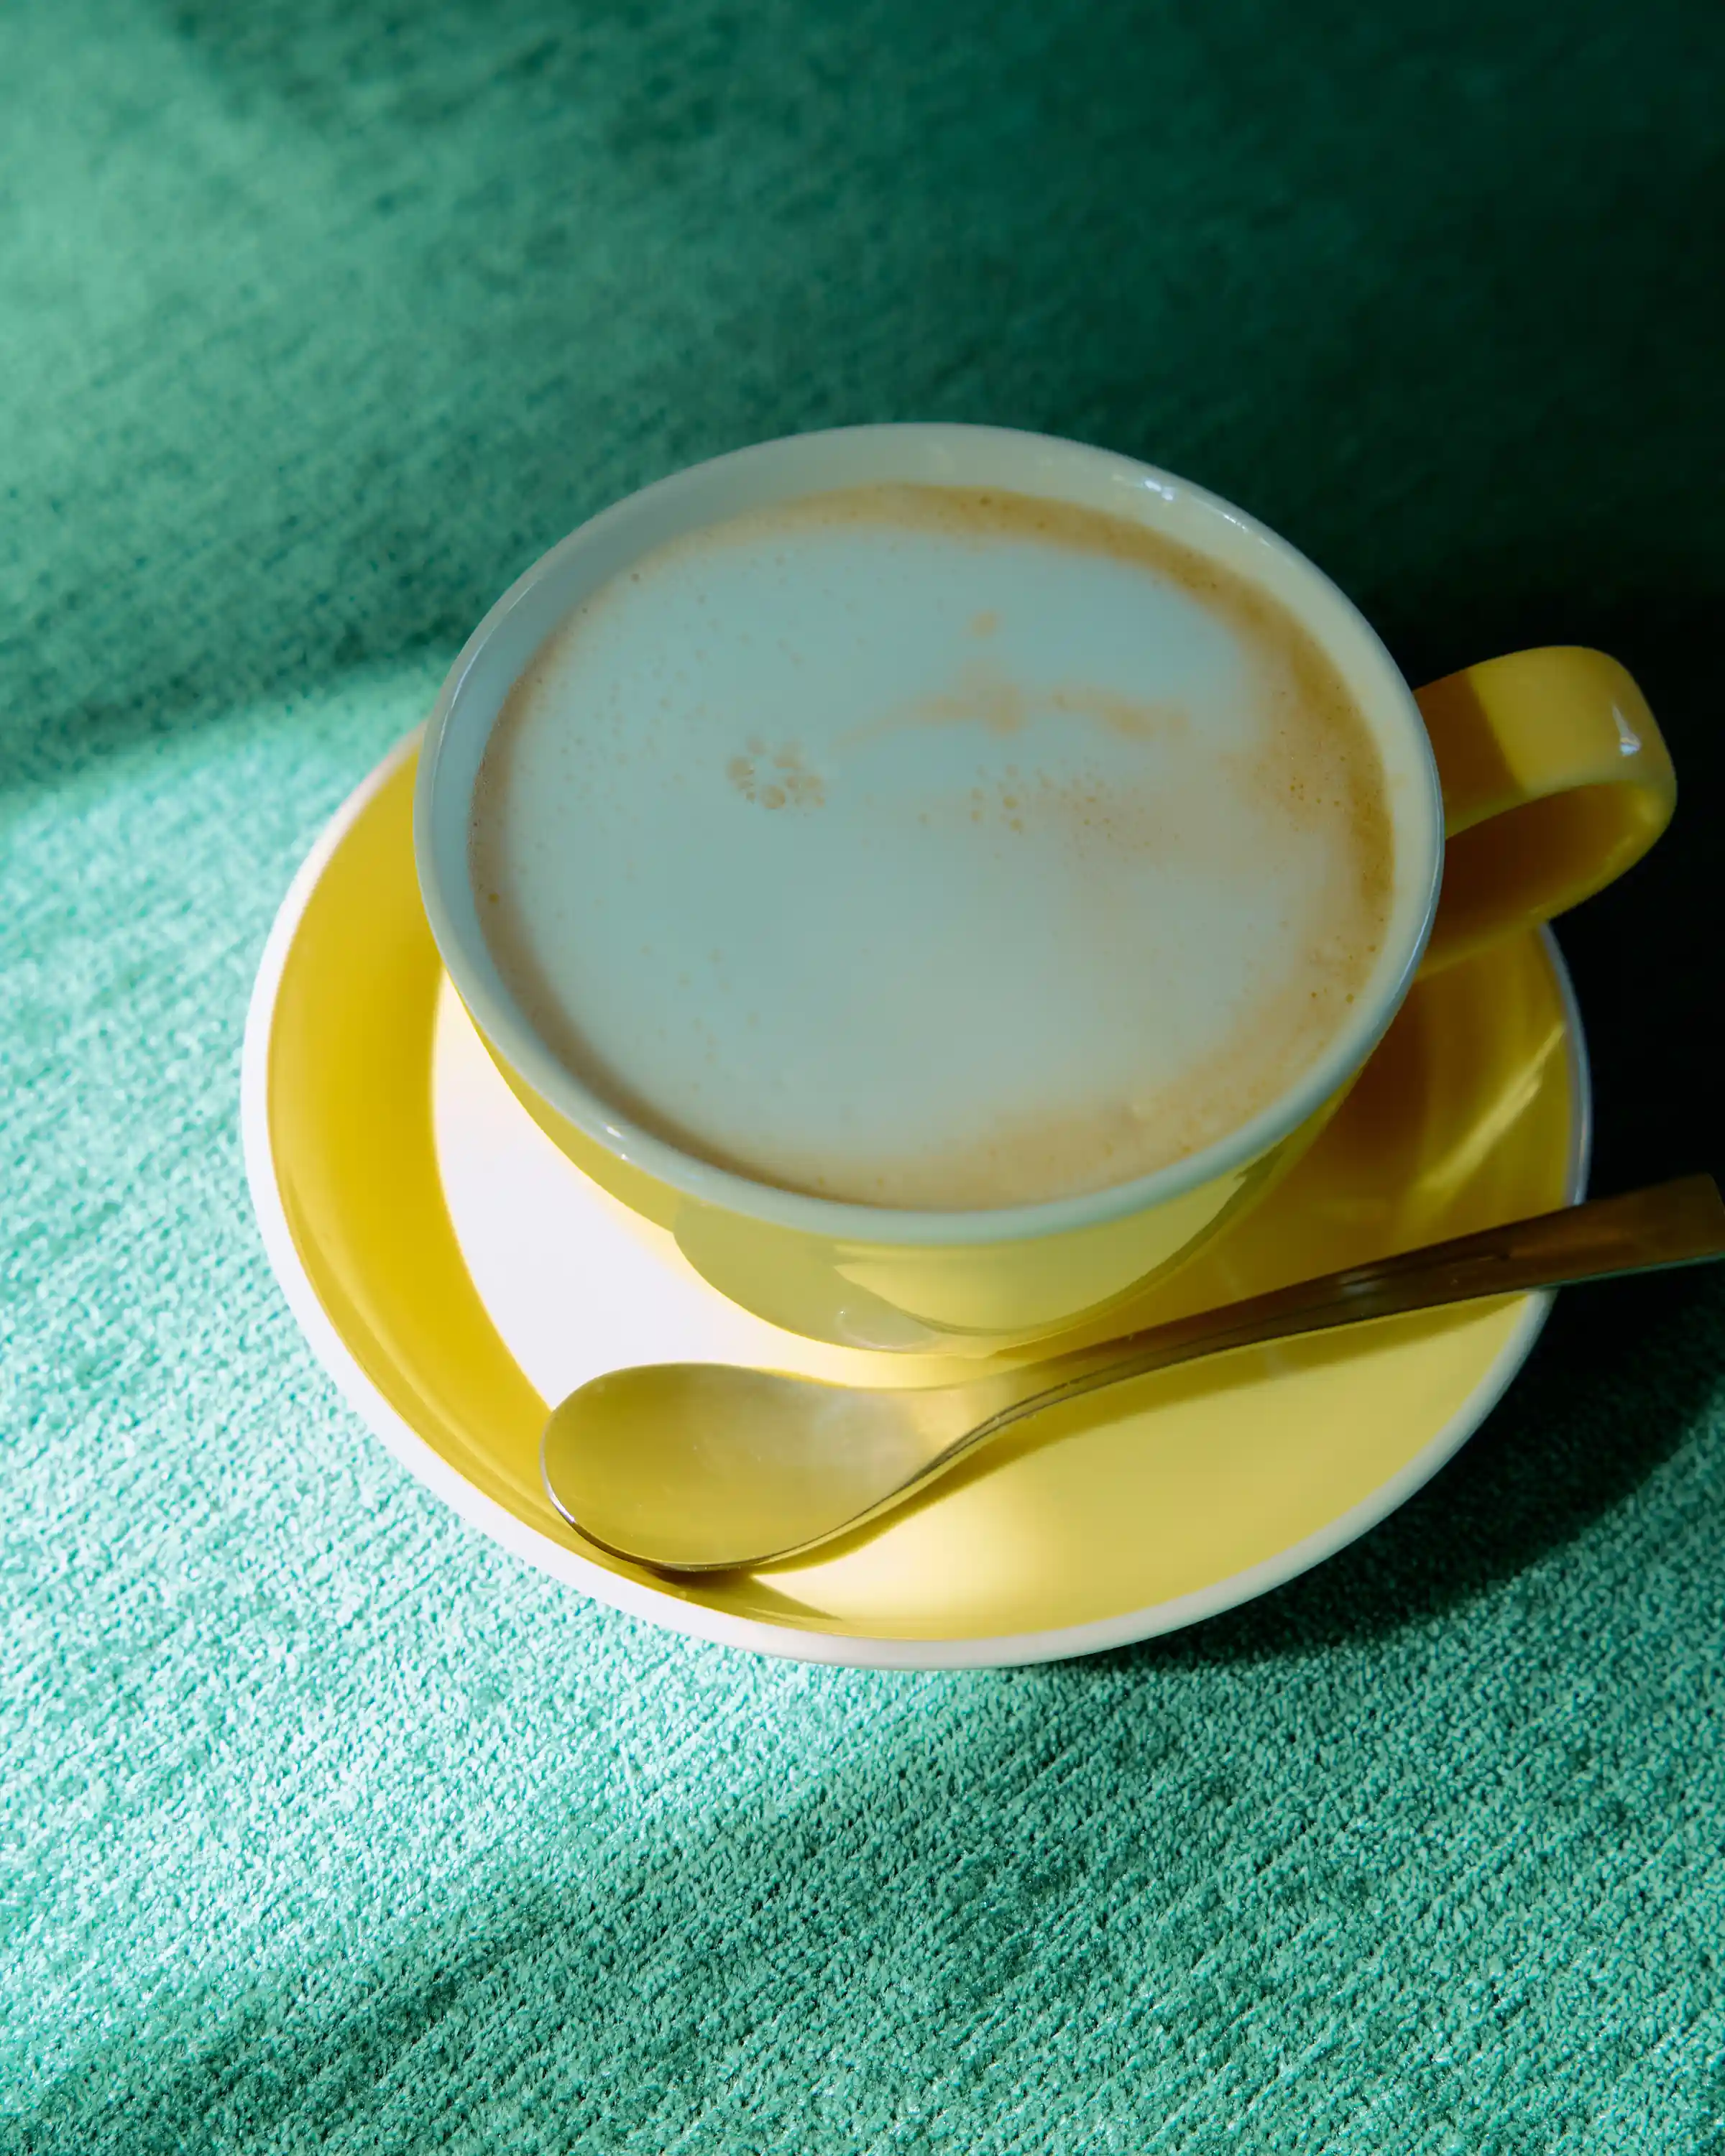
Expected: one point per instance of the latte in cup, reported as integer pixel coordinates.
(933, 847)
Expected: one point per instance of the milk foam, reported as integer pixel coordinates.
(933, 847)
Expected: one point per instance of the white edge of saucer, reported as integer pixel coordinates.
(790, 1642)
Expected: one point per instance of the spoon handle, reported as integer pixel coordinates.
(1670, 1224)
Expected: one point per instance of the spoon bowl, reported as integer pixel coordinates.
(718, 1460)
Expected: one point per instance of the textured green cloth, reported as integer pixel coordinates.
(326, 1826)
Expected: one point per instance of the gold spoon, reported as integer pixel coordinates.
(707, 1467)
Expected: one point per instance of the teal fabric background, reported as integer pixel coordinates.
(325, 1826)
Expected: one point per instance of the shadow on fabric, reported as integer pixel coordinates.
(362, 308)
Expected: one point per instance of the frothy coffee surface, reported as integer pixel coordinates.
(933, 847)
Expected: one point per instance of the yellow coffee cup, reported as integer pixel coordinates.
(1516, 788)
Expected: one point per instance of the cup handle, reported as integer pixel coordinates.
(1556, 779)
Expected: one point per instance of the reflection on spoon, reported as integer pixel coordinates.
(708, 1467)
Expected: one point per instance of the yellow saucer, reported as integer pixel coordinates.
(453, 1272)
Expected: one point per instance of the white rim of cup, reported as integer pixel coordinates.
(1348, 639)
